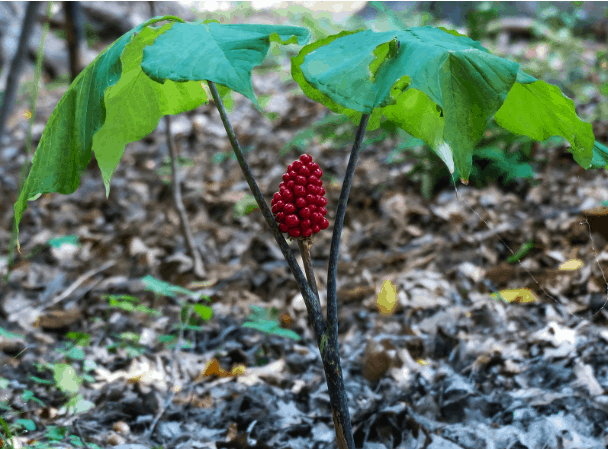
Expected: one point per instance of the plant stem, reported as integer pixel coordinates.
(337, 394)
(332, 271)
(310, 299)
(329, 352)
(305, 245)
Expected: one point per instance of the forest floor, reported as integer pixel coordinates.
(455, 365)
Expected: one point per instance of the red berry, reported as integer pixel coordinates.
(287, 195)
(305, 212)
(299, 190)
(292, 220)
(299, 205)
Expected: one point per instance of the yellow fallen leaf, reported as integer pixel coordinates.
(571, 265)
(387, 299)
(516, 295)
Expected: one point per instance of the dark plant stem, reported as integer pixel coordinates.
(332, 270)
(73, 26)
(329, 353)
(332, 348)
(198, 268)
(310, 299)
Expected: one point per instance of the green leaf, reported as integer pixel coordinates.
(224, 54)
(71, 239)
(66, 377)
(521, 252)
(271, 327)
(27, 424)
(165, 288)
(67, 142)
(205, 312)
(539, 110)
(438, 86)
(136, 104)
(9, 335)
(600, 156)
(245, 205)
(80, 338)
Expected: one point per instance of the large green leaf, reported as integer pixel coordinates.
(539, 110)
(113, 102)
(439, 86)
(224, 54)
(65, 147)
(136, 104)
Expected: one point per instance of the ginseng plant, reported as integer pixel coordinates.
(436, 84)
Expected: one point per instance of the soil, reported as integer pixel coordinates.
(453, 364)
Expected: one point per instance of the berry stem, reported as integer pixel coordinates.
(311, 300)
(305, 245)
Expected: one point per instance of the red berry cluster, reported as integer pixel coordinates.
(299, 205)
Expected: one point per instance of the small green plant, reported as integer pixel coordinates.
(129, 341)
(434, 84)
(129, 303)
(267, 320)
(164, 172)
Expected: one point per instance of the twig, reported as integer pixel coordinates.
(73, 27)
(12, 82)
(305, 245)
(310, 299)
(78, 282)
(171, 395)
(199, 269)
